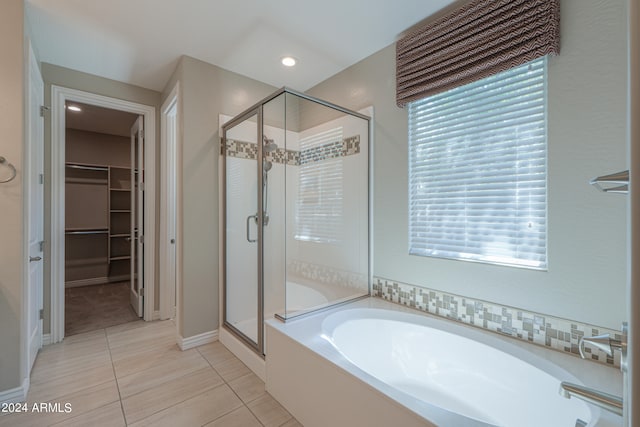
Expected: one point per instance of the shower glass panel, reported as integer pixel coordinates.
(296, 212)
(241, 231)
(327, 209)
(275, 168)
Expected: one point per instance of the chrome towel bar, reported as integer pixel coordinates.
(4, 161)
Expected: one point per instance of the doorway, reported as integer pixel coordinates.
(102, 231)
(101, 216)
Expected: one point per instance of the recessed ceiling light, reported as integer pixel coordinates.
(288, 61)
(74, 108)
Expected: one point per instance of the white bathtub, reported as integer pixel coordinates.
(380, 365)
(450, 371)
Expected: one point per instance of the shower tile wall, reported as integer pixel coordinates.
(541, 329)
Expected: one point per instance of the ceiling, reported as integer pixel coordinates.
(97, 119)
(140, 41)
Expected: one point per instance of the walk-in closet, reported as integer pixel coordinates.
(101, 224)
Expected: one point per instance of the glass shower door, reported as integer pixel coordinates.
(243, 294)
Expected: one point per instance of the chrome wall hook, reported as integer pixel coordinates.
(4, 161)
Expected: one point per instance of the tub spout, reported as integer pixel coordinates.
(603, 400)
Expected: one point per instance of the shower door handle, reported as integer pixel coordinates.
(255, 219)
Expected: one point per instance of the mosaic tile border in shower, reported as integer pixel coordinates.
(326, 274)
(248, 150)
(289, 157)
(240, 149)
(541, 329)
(346, 147)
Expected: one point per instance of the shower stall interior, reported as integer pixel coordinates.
(296, 214)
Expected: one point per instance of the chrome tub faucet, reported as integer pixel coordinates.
(603, 400)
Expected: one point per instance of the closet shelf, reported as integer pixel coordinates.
(120, 210)
(120, 189)
(77, 180)
(119, 258)
(85, 261)
(121, 235)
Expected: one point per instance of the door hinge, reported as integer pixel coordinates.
(41, 178)
(43, 109)
(41, 246)
(141, 292)
(41, 314)
(142, 186)
(141, 134)
(141, 239)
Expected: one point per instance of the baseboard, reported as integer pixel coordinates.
(121, 278)
(96, 281)
(15, 395)
(46, 339)
(197, 340)
(156, 315)
(86, 282)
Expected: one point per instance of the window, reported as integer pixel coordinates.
(477, 170)
(319, 207)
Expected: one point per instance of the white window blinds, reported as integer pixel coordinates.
(477, 170)
(320, 193)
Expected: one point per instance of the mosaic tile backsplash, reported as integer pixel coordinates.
(548, 331)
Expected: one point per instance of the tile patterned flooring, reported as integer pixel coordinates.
(88, 308)
(134, 374)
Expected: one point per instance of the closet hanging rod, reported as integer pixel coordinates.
(82, 232)
(90, 168)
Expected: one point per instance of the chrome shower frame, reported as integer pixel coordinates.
(257, 110)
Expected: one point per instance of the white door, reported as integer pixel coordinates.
(168, 210)
(137, 215)
(35, 210)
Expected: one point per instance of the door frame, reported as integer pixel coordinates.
(258, 345)
(631, 394)
(59, 96)
(170, 149)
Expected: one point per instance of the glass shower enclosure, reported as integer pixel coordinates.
(296, 213)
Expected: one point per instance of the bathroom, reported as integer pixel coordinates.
(581, 288)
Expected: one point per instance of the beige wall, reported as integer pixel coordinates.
(11, 194)
(206, 92)
(587, 231)
(60, 76)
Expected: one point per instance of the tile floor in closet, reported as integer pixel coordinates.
(134, 374)
(89, 308)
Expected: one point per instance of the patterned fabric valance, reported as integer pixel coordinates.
(480, 39)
